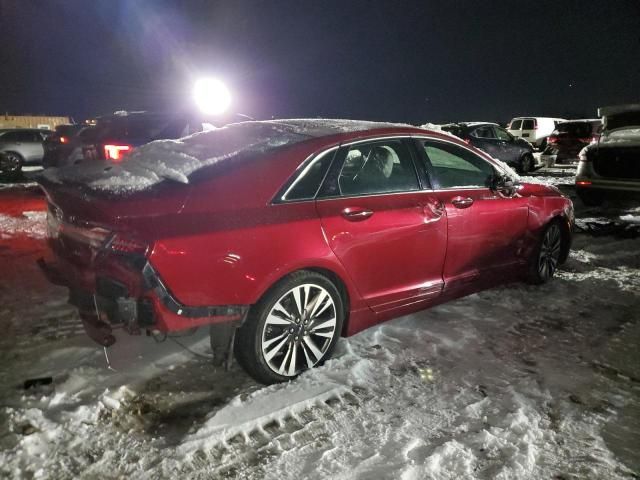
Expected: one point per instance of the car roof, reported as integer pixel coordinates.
(477, 124)
(578, 120)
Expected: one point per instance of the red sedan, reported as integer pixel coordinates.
(285, 235)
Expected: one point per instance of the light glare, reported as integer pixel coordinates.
(211, 96)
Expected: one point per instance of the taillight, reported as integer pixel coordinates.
(583, 183)
(552, 139)
(116, 152)
(127, 245)
(64, 139)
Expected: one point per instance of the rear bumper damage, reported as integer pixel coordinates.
(140, 302)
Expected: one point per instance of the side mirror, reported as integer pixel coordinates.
(503, 184)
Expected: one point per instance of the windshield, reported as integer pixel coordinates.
(575, 129)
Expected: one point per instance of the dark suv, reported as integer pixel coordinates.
(116, 135)
(497, 142)
(59, 145)
(566, 141)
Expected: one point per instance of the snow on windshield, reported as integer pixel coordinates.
(177, 159)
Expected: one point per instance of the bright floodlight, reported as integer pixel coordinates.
(211, 96)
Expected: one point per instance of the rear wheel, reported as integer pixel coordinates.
(544, 262)
(294, 327)
(11, 164)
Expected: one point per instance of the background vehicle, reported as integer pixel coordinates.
(611, 165)
(116, 135)
(294, 231)
(21, 146)
(58, 145)
(534, 129)
(497, 142)
(566, 141)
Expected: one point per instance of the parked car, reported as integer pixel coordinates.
(566, 141)
(497, 142)
(59, 145)
(115, 136)
(294, 231)
(534, 129)
(611, 166)
(20, 147)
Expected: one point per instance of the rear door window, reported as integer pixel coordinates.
(307, 182)
(528, 124)
(378, 167)
(483, 132)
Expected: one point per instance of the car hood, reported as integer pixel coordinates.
(620, 137)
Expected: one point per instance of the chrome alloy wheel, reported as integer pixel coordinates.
(550, 252)
(299, 329)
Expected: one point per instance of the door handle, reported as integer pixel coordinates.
(462, 202)
(356, 214)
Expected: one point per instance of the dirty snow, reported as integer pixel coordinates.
(32, 224)
(515, 382)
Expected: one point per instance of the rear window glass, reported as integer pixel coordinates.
(516, 124)
(528, 124)
(68, 130)
(146, 127)
(452, 129)
(307, 183)
(575, 129)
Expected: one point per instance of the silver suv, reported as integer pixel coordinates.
(21, 146)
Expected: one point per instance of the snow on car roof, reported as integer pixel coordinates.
(177, 159)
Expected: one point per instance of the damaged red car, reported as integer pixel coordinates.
(285, 235)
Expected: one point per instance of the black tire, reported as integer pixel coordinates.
(526, 164)
(292, 327)
(547, 254)
(11, 164)
(591, 198)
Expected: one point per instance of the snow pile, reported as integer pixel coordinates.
(177, 159)
(31, 224)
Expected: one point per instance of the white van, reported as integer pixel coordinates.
(533, 129)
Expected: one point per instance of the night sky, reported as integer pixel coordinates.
(411, 61)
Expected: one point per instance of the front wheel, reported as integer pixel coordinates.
(294, 327)
(545, 259)
(526, 164)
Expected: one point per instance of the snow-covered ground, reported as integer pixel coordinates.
(514, 382)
